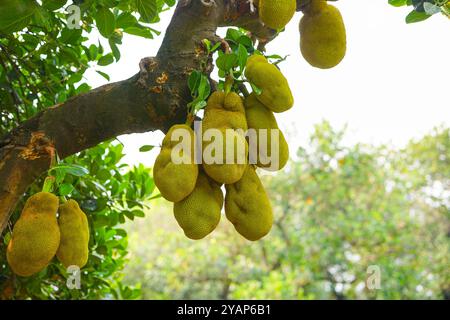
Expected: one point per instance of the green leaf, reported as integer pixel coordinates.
(170, 3)
(146, 148)
(73, 169)
(103, 74)
(106, 60)
(194, 81)
(139, 31)
(233, 34)
(255, 89)
(125, 20)
(227, 61)
(148, 9)
(138, 213)
(16, 14)
(83, 88)
(70, 36)
(53, 5)
(105, 22)
(200, 105)
(397, 3)
(204, 88)
(246, 41)
(115, 50)
(415, 16)
(242, 56)
(74, 78)
(65, 189)
(431, 8)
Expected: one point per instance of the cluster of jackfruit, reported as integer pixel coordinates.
(39, 235)
(197, 190)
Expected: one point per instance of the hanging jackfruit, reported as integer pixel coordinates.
(260, 118)
(35, 238)
(176, 180)
(199, 214)
(276, 14)
(225, 120)
(247, 206)
(73, 224)
(322, 35)
(275, 92)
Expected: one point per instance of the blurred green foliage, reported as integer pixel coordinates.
(339, 209)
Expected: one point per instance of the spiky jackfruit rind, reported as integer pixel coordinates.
(248, 207)
(226, 112)
(275, 94)
(276, 14)
(175, 181)
(199, 214)
(74, 245)
(36, 236)
(258, 118)
(323, 41)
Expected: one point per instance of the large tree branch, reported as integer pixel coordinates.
(154, 99)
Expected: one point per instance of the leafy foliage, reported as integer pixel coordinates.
(44, 50)
(423, 9)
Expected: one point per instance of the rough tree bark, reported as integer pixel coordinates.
(154, 99)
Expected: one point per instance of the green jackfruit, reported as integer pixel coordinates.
(174, 180)
(276, 14)
(35, 238)
(322, 35)
(199, 214)
(247, 206)
(73, 224)
(226, 115)
(275, 92)
(258, 118)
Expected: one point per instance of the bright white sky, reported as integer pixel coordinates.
(392, 86)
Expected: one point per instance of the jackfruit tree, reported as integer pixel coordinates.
(64, 192)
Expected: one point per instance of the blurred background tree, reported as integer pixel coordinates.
(338, 210)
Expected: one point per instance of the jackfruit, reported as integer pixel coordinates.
(176, 179)
(260, 118)
(322, 35)
(276, 14)
(35, 238)
(199, 214)
(73, 224)
(247, 206)
(226, 115)
(275, 92)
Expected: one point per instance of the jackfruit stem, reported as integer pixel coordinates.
(243, 90)
(190, 118)
(315, 6)
(229, 81)
(48, 184)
